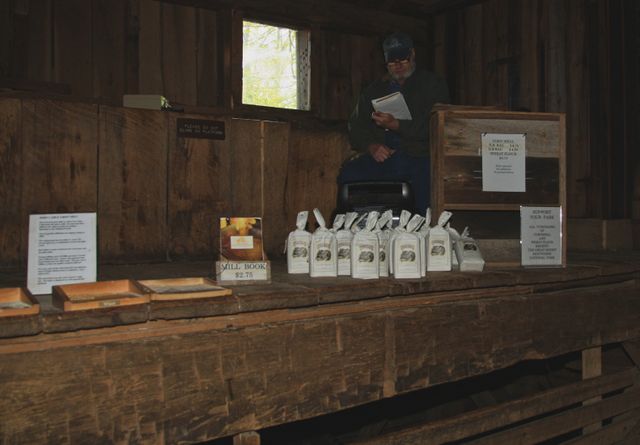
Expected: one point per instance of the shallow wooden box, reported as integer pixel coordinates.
(183, 289)
(456, 179)
(16, 301)
(98, 295)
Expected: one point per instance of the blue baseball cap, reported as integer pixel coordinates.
(397, 46)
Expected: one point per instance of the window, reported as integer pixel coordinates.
(275, 66)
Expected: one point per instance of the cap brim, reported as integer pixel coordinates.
(397, 54)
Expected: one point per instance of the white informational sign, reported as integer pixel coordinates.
(503, 162)
(541, 236)
(62, 250)
(239, 271)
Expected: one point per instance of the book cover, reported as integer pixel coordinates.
(241, 239)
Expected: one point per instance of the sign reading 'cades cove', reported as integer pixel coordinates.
(201, 128)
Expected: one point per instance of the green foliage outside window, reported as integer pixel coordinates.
(269, 66)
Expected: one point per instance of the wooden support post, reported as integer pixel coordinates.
(592, 367)
(247, 438)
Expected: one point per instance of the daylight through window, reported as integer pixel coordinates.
(275, 66)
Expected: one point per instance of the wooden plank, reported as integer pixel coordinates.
(60, 159)
(179, 50)
(530, 52)
(597, 234)
(463, 182)
(6, 34)
(549, 427)
(274, 191)
(337, 94)
(199, 190)
(495, 42)
(209, 58)
(73, 52)
(472, 70)
(131, 48)
(109, 49)
(197, 379)
(305, 172)
(39, 52)
(331, 14)
(247, 167)
(621, 427)
(11, 180)
(462, 135)
(556, 57)
(233, 58)
(248, 438)
(579, 183)
(151, 75)
(500, 416)
(592, 367)
(133, 184)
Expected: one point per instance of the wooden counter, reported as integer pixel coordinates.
(295, 349)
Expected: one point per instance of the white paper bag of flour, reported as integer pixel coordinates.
(468, 252)
(344, 236)
(439, 246)
(338, 221)
(384, 233)
(365, 250)
(406, 250)
(298, 246)
(454, 235)
(414, 226)
(324, 252)
(405, 216)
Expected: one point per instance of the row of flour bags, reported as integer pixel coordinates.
(408, 250)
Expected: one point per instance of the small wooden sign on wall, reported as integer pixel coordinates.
(201, 128)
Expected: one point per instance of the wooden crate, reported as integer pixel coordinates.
(183, 289)
(98, 295)
(16, 301)
(456, 165)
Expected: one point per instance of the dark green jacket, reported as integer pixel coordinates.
(421, 91)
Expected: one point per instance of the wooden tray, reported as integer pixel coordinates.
(98, 295)
(183, 289)
(17, 301)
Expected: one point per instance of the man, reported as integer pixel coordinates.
(396, 149)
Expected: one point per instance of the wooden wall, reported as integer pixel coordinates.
(158, 195)
(574, 56)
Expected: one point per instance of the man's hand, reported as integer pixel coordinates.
(385, 120)
(380, 152)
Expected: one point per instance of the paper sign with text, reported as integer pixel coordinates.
(62, 250)
(541, 236)
(503, 162)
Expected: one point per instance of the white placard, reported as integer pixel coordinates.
(503, 162)
(238, 271)
(242, 242)
(541, 236)
(62, 250)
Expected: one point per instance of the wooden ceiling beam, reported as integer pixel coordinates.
(328, 14)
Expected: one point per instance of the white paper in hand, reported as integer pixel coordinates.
(394, 104)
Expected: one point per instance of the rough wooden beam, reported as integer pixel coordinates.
(500, 416)
(591, 368)
(329, 14)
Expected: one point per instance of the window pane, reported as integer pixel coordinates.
(270, 74)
